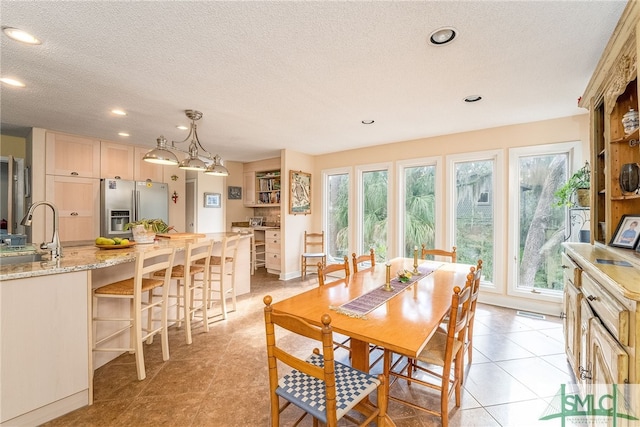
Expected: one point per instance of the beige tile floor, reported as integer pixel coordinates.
(221, 379)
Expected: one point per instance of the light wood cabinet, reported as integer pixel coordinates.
(273, 250)
(78, 203)
(143, 171)
(611, 92)
(249, 182)
(116, 160)
(70, 155)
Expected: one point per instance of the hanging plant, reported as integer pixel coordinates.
(580, 180)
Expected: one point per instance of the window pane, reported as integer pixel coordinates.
(374, 215)
(337, 216)
(419, 208)
(541, 224)
(474, 228)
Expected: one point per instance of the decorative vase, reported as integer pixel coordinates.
(142, 235)
(630, 121)
(629, 177)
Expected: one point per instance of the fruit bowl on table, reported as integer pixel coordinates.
(121, 246)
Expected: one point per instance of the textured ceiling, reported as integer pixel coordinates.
(297, 75)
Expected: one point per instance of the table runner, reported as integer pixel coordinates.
(360, 306)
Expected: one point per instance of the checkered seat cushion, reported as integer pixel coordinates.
(308, 392)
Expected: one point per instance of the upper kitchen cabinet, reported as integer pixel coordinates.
(78, 203)
(143, 171)
(69, 155)
(249, 196)
(262, 184)
(116, 160)
(611, 93)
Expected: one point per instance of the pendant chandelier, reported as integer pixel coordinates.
(162, 155)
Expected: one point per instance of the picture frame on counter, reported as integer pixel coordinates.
(234, 193)
(300, 196)
(212, 200)
(627, 233)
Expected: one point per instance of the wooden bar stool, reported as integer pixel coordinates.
(132, 289)
(222, 268)
(186, 285)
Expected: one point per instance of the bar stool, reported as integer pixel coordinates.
(186, 285)
(132, 289)
(223, 267)
(258, 253)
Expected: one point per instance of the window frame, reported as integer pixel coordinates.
(326, 173)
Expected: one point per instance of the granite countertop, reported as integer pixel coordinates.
(79, 258)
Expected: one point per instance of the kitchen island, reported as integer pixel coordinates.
(46, 367)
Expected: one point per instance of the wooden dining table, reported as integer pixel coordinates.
(403, 324)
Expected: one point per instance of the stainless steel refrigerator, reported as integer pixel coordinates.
(124, 201)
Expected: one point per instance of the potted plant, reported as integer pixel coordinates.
(579, 184)
(145, 230)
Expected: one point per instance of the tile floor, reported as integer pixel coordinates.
(221, 379)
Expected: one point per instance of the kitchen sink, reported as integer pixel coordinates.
(20, 259)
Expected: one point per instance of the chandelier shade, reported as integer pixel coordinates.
(161, 155)
(216, 167)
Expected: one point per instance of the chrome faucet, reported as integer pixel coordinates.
(54, 245)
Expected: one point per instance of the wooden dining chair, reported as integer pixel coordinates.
(369, 260)
(320, 386)
(325, 271)
(475, 292)
(452, 255)
(444, 350)
(313, 250)
(134, 290)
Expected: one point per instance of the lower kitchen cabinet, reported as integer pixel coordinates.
(272, 256)
(44, 348)
(602, 323)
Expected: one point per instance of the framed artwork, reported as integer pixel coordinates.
(234, 193)
(628, 233)
(300, 193)
(212, 200)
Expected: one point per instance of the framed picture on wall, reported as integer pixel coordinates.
(628, 233)
(300, 196)
(212, 200)
(234, 193)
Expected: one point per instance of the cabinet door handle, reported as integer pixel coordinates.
(592, 298)
(75, 173)
(563, 315)
(584, 373)
(74, 214)
(117, 177)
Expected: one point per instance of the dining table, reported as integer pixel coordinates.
(403, 323)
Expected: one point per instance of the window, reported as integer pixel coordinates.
(418, 202)
(537, 227)
(373, 210)
(473, 229)
(336, 213)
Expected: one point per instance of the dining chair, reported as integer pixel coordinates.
(323, 273)
(368, 259)
(443, 350)
(133, 289)
(475, 292)
(313, 249)
(187, 285)
(452, 255)
(320, 386)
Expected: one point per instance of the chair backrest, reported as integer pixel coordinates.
(368, 258)
(452, 255)
(275, 353)
(332, 268)
(229, 250)
(458, 316)
(149, 262)
(195, 252)
(314, 243)
(475, 287)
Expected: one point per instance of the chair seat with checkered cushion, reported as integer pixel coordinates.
(308, 392)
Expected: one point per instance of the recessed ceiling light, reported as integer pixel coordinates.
(472, 98)
(182, 127)
(443, 36)
(20, 35)
(12, 82)
(368, 122)
(119, 112)
(123, 134)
